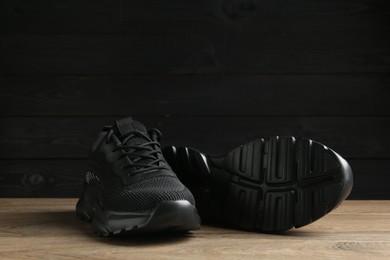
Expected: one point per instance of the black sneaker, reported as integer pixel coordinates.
(129, 187)
(268, 185)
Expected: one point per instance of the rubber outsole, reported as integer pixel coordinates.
(268, 185)
(168, 216)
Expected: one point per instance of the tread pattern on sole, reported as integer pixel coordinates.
(273, 184)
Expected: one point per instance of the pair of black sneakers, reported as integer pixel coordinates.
(271, 184)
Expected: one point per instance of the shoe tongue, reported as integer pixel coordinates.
(125, 125)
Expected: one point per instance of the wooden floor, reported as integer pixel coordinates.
(48, 228)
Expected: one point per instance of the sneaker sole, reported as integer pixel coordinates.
(169, 216)
(267, 185)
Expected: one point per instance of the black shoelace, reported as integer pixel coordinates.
(142, 157)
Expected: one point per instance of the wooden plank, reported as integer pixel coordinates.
(206, 16)
(46, 228)
(371, 179)
(208, 95)
(63, 178)
(315, 52)
(352, 137)
(41, 178)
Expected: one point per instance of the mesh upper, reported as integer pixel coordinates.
(146, 195)
(151, 187)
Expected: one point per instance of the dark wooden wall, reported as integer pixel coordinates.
(209, 73)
